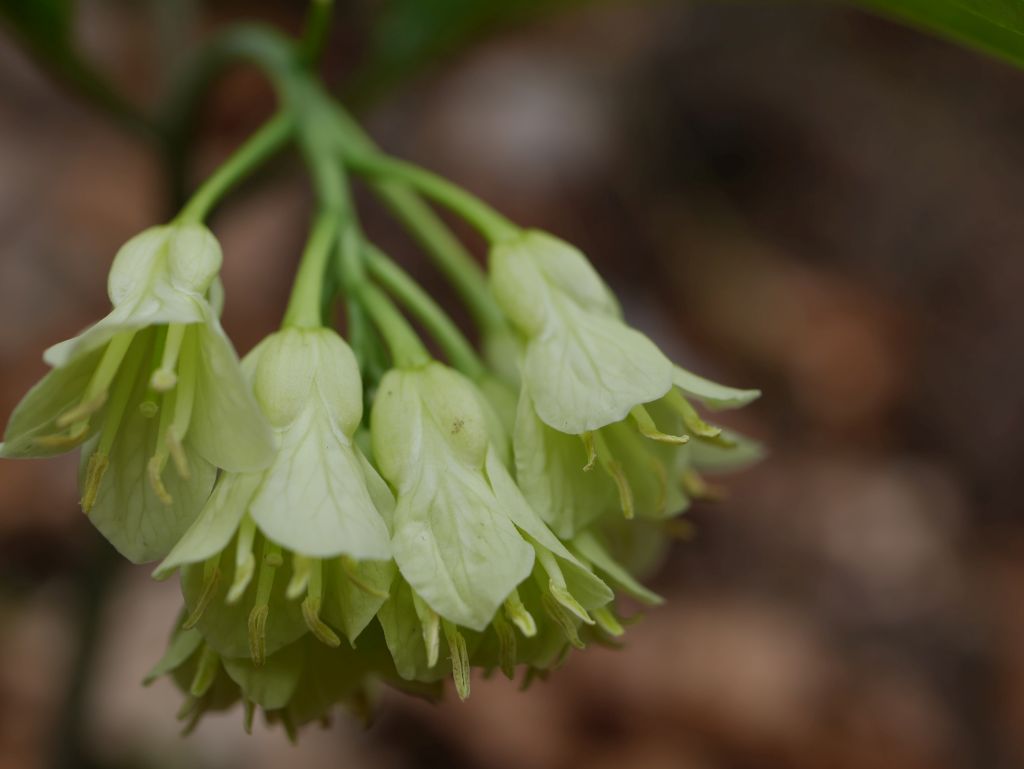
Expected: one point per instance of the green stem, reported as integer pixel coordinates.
(489, 222)
(407, 351)
(318, 27)
(306, 302)
(413, 296)
(432, 234)
(270, 138)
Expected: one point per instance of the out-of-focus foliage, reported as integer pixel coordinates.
(993, 26)
(45, 23)
(408, 35)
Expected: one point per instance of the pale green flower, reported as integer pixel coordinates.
(301, 683)
(595, 392)
(583, 367)
(273, 550)
(155, 382)
(464, 537)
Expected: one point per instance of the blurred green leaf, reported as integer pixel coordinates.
(993, 26)
(408, 36)
(46, 23)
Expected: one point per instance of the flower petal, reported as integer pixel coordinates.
(37, 412)
(590, 548)
(587, 588)
(314, 498)
(404, 636)
(272, 684)
(550, 472)
(216, 525)
(456, 547)
(227, 426)
(710, 393)
(127, 510)
(587, 370)
(350, 606)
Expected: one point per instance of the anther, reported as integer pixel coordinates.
(94, 472)
(591, 449)
(430, 625)
(645, 424)
(82, 411)
(319, 629)
(506, 646)
(211, 578)
(519, 616)
(459, 657)
(563, 619)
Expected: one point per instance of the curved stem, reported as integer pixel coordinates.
(318, 27)
(407, 351)
(254, 152)
(413, 296)
(305, 305)
(489, 222)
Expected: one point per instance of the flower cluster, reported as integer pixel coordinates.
(337, 522)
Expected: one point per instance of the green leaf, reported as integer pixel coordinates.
(46, 23)
(993, 26)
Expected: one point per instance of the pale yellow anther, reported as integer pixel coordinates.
(351, 568)
(94, 472)
(506, 645)
(211, 578)
(319, 629)
(163, 380)
(301, 568)
(645, 424)
(149, 408)
(591, 449)
(459, 659)
(57, 441)
(177, 452)
(520, 617)
(154, 471)
(82, 411)
(608, 622)
(257, 627)
(691, 418)
(563, 619)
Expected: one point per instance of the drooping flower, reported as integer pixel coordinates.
(595, 392)
(154, 383)
(464, 538)
(304, 544)
(300, 683)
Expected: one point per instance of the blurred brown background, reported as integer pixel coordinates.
(800, 198)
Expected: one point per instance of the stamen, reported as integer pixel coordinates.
(57, 441)
(563, 619)
(177, 452)
(608, 622)
(165, 378)
(245, 562)
(186, 390)
(459, 657)
(645, 424)
(150, 407)
(691, 418)
(351, 568)
(119, 397)
(588, 444)
(94, 472)
(506, 646)
(430, 625)
(211, 578)
(614, 468)
(301, 567)
(311, 606)
(698, 488)
(557, 585)
(320, 630)
(248, 715)
(109, 364)
(82, 411)
(206, 672)
(519, 616)
(261, 609)
(158, 461)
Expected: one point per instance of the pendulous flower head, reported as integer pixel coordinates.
(275, 553)
(154, 394)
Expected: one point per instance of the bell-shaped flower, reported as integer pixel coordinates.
(464, 537)
(153, 391)
(304, 544)
(299, 684)
(583, 367)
